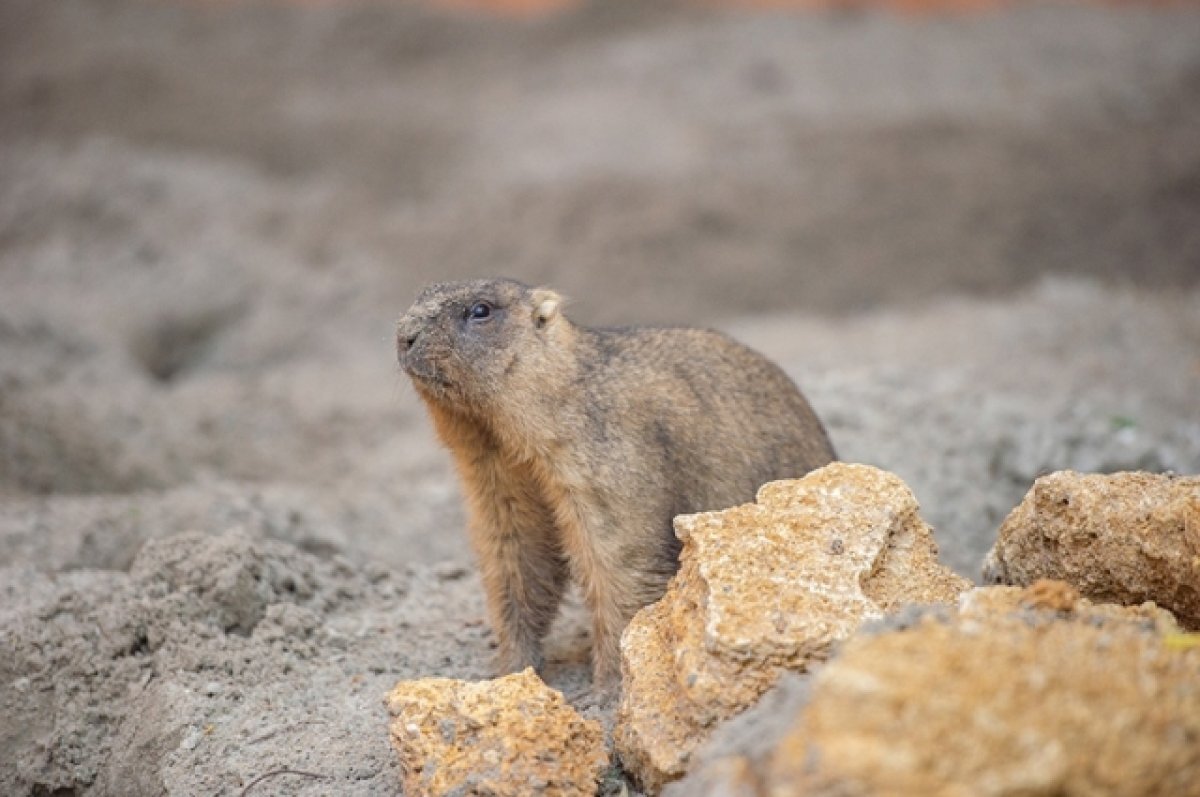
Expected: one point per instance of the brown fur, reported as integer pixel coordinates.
(576, 448)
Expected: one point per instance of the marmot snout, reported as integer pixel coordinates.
(576, 447)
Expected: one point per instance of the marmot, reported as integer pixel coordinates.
(577, 447)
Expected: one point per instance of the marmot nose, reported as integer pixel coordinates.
(406, 337)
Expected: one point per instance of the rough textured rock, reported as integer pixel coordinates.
(765, 588)
(509, 736)
(1034, 692)
(1122, 538)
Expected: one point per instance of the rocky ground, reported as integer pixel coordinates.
(225, 527)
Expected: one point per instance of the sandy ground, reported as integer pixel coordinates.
(225, 527)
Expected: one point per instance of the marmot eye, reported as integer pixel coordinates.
(479, 310)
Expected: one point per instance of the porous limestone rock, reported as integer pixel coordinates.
(509, 736)
(763, 589)
(1121, 538)
(1037, 692)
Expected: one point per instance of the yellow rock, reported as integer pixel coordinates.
(1121, 538)
(762, 589)
(509, 736)
(1009, 695)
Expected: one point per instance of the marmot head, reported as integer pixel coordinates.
(464, 343)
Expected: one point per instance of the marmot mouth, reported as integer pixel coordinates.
(426, 375)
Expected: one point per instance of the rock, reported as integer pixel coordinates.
(509, 736)
(1036, 692)
(1121, 538)
(763, 589)
(726, 765)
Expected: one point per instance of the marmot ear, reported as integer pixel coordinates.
(545, 306)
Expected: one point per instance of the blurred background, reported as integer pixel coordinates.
(657, 161)
(212, 211)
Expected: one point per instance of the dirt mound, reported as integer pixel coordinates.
(168, 676)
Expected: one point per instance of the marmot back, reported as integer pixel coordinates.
(576, 447)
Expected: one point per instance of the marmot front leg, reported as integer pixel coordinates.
(524, 574)
(614, 594)
(620, 568)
